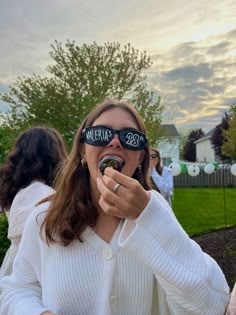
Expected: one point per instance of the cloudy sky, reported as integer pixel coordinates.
(192, 45)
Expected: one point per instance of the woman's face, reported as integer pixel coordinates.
(153, 158)
(115, 118)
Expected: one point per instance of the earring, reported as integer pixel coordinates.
(84, 163)
(139, 168)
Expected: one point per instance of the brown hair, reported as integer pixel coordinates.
(71, 209)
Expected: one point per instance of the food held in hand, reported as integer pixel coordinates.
(111, 161)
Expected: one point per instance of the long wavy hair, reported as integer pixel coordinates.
(37, 154)
(71, 209)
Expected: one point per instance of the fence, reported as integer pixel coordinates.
(220, 178)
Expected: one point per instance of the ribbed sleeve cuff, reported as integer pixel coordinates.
(187, 275)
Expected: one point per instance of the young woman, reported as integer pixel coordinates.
(107, 244)
(161, 176)
(25, 178)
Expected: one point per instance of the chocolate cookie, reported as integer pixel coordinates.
(111, 161)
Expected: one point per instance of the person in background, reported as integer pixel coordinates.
(161, 176)
(231, 309)
(25, 178)
(105, 243)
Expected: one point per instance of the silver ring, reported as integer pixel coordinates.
(116, 187)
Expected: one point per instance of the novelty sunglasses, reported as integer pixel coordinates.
(101, 136)
(153, 155)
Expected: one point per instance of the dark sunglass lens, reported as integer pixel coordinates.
(132, 139)
(98, 135)
(153, 155)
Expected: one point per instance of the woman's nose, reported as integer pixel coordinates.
(115, 142)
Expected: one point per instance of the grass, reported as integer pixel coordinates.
(200, 210)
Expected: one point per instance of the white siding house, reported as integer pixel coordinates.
(204, 150)
(168, 145)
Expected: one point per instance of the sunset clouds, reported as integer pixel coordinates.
(198, 79)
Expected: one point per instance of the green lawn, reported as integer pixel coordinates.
(200, 210)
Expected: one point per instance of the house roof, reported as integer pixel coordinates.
(170, 130)
(206, 136)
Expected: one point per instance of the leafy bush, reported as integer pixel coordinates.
(4, 241)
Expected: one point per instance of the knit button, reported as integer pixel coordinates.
(113, 301)
(107, 253)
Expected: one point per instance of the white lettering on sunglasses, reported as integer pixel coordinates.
(99, 135)
(104, 135)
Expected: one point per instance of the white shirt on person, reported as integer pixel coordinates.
(150, 266)
(164, 182)
(22, 206)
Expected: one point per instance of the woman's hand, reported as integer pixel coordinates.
(152, 164)
(128, 201)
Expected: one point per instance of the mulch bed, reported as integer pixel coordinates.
(221, 245)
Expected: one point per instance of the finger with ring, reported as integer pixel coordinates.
(117, 185)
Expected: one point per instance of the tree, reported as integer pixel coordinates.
(229, 135)
(79, 78)
(6, 141)
(217, 138)
(183, 136)
(190, 146)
